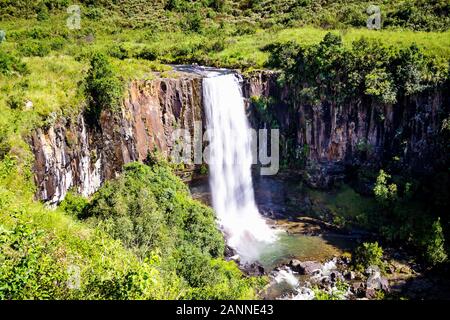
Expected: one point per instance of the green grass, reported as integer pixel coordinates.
(248, 47)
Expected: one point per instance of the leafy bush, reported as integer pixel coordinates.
(42, 13)
(11, 65)
(384, 192)
(34, 48)
(28, 270)
(149, 210)
(194, 21)
(434, 245)
(74, 204)
(119, 52)
(368, 254)
(104, 89)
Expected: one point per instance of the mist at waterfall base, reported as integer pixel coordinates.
(230, 161)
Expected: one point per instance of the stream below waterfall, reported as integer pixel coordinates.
(302, 237)
(301, 240)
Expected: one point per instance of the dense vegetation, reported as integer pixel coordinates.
(329, 70)
(142, 237)
(409, 208)
(414, 14)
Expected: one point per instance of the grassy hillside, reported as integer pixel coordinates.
(412, 14)
(118, 246)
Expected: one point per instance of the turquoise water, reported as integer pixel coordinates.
(301, 247)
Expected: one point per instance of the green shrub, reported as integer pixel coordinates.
(74, 204)
(28, 270)
(11, 65)
(148, 53)
(368, 254)
(119, 52)
(149, 210)
(57, 43)
(34, 48)
(94, 13)
(16, 101)
(103, 88)
(193, 21)
(42, 13)
(385, 192)
(434, 244)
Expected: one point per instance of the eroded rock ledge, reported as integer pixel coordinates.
(73, 154)
(359, 133)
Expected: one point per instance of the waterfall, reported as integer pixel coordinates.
(230, 160)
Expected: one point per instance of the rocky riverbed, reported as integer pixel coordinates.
(312, 258)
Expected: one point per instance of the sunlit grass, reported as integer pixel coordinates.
(53, 85)
(249, 46)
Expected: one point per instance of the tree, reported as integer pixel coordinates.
(103, 87)
(384, 192)
(434, 244)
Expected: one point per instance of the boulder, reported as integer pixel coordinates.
(229, 251)
(253, 269)
(305, 267)
(350, 275)
(370, 293)
(294, 264)
(375, 280)
(358, 289)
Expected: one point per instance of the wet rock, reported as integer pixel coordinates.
(358, 289)
(303, 293)
(306, 267)
(370, 293)
(236, 258)
(350, 275)
(253, 269)
(326, 283)
(375, 280)
(336, 276)
(345, 260)
(294, 264)
(229, 252)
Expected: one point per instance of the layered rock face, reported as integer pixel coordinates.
(358, 133)
(78, 155)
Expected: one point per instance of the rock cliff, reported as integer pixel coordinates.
(329, 137)
(75, 154)
(360, 133)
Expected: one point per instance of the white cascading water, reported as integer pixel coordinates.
(230, 161)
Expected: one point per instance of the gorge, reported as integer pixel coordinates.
(342, 193)
(78, 156)
(71, 154)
